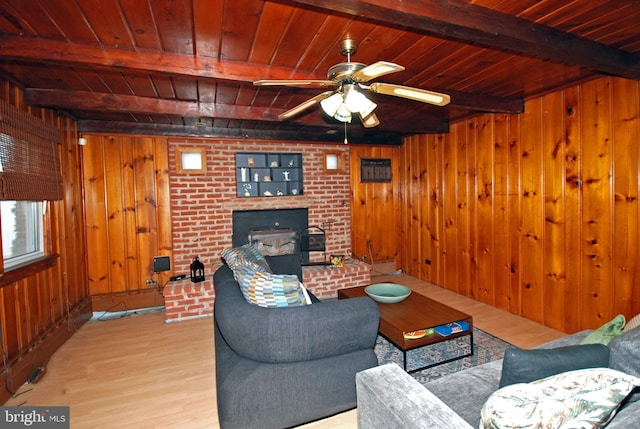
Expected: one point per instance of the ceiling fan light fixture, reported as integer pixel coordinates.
(331, 104)
(357, 102)
(343, 114)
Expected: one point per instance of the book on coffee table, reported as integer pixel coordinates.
(452, 328)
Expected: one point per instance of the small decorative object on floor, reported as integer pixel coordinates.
(197, 270)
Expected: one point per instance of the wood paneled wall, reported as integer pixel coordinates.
(537, 213)
(42, 304)
(374, 220)
(128, 219)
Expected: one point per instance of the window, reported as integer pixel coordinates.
(22, 231)
(191, 160)
(334, 162)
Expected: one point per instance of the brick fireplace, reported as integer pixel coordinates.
(202, 217)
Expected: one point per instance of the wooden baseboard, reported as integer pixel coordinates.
(41, 352)
(131, 301)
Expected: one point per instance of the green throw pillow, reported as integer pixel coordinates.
(606, 332)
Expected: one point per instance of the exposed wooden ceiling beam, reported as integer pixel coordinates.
(354, 136)
(472, 24)
(31, 50)
(108, 102)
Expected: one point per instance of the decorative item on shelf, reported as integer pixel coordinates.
(250, 162)
(247, 189)
(243, 174)
(274, 163)
(267, 194)
(197, 271)
(291, 163)
(279, 192)
(294, 191)
(256, 177)
(266, 179)
(337, 260)
(286, 175)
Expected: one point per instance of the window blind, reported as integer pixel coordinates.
(29, 157)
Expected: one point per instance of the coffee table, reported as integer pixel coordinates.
(414, 313)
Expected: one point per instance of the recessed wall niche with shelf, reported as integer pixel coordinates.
(265, 174)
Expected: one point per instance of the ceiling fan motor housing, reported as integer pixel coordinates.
(343, 71)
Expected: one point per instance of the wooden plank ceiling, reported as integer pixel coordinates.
(186, 67)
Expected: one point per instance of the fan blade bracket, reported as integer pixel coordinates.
(411, 93)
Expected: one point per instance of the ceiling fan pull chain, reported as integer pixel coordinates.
(345, 134)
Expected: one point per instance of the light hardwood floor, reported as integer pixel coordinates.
(140, 372)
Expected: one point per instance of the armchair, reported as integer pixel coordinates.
(281, 367)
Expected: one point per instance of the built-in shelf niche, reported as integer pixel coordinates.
(264, 174)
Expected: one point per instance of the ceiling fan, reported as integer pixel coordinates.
(350, 79)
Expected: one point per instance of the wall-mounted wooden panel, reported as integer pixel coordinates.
(128, 218)
(43, 303)
(374, 212)
(540, 210)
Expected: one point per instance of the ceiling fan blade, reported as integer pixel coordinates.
(416, 94)
(369, 121)
(293, 82)
(305, 105)
(376, 70)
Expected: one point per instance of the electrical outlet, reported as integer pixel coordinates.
(427, 261)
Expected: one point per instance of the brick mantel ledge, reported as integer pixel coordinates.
(269, 203)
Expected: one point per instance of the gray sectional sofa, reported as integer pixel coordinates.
(281, 367)
(390, 398)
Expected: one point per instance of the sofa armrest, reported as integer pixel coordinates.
(292, 334)
(388, 397)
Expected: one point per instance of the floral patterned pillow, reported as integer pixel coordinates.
(586, 398)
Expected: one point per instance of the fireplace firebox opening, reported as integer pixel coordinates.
(277, 230)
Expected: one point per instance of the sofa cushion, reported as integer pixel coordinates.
(246, 254)
(523, 366)
(625, 357)
(582, 398)
(270, 290)
(606, 332)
